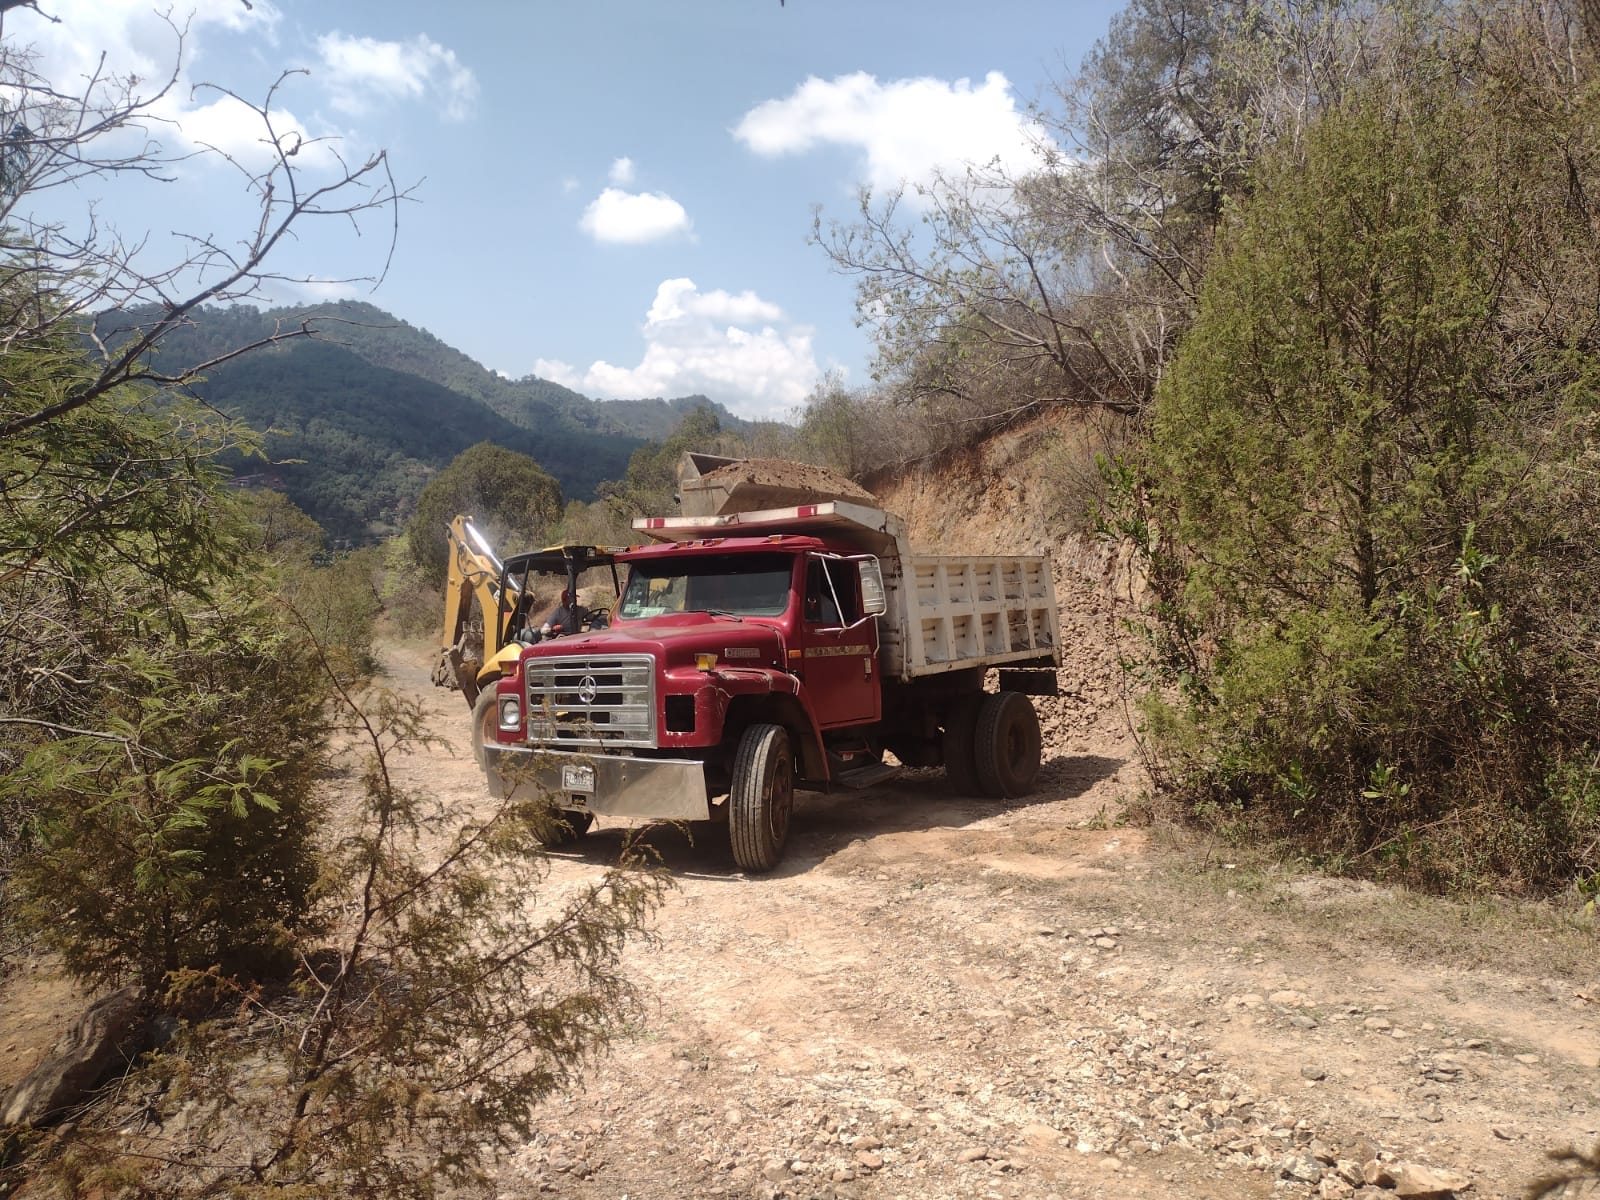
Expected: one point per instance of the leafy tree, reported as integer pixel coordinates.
(993, 291)
(1362, 494)
(508, 494)
(177, 833)
(449, 998)
(651, 484)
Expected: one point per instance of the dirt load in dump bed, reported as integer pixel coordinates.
(712, 486)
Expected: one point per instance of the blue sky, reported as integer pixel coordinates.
(614, 194)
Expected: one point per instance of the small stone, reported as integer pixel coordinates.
(1320, 1151)
(1377, 1173)
(1301, 1167)
(1110, 1163)
(1040, 1135)
(1431, 1114)
(775, 1171)
(1412, 1182)
(1312, 1073)
(1399, 1034)
(1349, 1171)
(871, 1160)
(843, 1175)
(734, 1117)
(1106, 943)
(1528, 1060)
(1333, 1188)
(1288, 999)
(1504, 1135)
(867, 1142)
(972, 1154)
(1379, 1024)
(1302, 1021)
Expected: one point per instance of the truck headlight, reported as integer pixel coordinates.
(510, 712)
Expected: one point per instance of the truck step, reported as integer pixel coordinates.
(865, 777)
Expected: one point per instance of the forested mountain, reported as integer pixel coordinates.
(359, 418)
(354, 444)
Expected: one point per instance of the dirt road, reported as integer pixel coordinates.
(937, 996)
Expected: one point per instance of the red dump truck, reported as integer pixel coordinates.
(753, 651)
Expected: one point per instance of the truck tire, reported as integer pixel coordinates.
(761, 800)
(564, 825)
(960, 729)
(1008, 745)
(485, 719)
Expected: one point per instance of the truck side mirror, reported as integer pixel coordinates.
(874, 602)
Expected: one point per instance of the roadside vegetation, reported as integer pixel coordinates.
(1320, 282)
(325, 991)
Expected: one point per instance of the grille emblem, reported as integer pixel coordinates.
(588, 688)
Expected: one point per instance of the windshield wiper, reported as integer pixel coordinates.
(718, 612)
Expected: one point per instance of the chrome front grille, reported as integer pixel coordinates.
(592, 700)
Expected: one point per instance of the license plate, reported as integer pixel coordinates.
(577, 779)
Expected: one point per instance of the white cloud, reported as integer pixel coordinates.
(557, 371)
(679, 298)
(907, 130)
(622, 172)
(364, 72)
(133, 37)
(737, 349)
(237, 130)
(633, 218)
(119, 40)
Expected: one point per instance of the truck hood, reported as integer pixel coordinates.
(674, 640)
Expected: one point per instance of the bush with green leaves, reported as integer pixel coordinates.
(509, 496)
(1368, 494)
(451, 993)
(177, 833)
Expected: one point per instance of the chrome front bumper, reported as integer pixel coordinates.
(612, 785)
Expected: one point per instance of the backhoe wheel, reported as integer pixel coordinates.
(761, 800)
(960, 729)
(485, 720)
(1008, 745)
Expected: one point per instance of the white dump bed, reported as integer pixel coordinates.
(946, 612)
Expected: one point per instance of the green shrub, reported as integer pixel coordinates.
(1367, 509)
(179, 834)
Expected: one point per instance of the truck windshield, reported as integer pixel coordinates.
(744, 585)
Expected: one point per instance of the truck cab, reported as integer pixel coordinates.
(709, 639)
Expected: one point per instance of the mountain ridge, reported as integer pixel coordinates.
(358, 417)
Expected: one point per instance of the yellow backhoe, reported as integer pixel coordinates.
(516, 598)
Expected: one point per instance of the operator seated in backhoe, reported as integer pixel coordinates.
(568, 616)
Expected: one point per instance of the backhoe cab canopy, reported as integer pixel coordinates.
(506, 596)
(567, 563)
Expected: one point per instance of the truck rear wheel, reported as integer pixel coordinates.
(761, 799)
(960, 730)
(1008, 745)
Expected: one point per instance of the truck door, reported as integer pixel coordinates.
(840, 650)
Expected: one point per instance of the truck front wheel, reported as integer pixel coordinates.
(485, 720)
(1008, 745)
(761, 800)
(563, 825)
